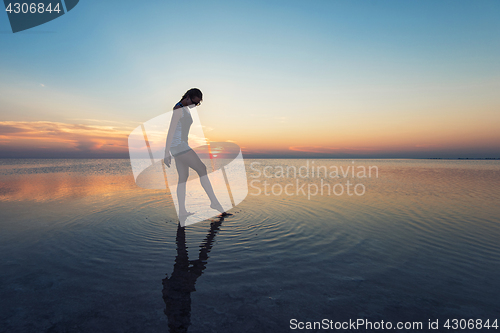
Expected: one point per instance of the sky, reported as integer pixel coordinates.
(335, 79)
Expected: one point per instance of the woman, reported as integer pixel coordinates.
(185, 157)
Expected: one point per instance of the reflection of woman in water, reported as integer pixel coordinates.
(178, 288)
(185, 157)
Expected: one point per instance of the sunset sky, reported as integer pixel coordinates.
(350, 78)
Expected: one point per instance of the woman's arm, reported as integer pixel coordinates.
(176, 116)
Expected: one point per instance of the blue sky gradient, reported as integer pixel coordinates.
(283, 67)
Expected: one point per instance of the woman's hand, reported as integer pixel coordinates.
(167, 160)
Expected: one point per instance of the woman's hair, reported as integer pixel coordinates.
(191, 93)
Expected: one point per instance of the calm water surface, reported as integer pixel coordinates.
(83, 249)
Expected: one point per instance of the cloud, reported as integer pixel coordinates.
(131, 123)
(10, 129)
(329, 150)
(60, 138)
(426, 145)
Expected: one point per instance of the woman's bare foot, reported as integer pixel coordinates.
(185, 214)
(217, 206)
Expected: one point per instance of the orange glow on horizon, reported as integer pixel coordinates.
(57, 137)
(62, 137)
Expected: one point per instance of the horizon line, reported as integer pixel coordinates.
(276, 157)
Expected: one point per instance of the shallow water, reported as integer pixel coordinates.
(83, 249)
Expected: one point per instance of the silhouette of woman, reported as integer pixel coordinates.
(185, 157)
(178, 288)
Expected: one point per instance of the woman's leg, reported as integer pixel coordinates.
(183, 172)
(192, 160)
